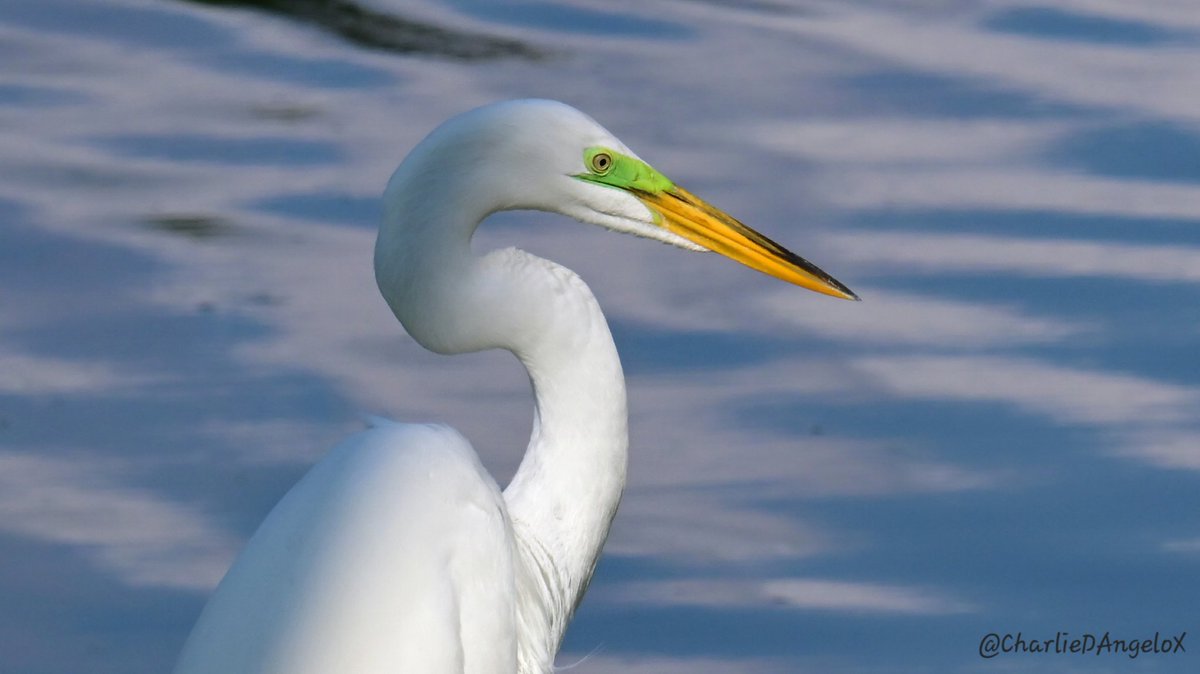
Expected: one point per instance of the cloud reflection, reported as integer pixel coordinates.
(142, 538)
(808, 594)
(30, 375)
(599, 662)
(1042, 257)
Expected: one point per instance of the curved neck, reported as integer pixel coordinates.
(565, 493)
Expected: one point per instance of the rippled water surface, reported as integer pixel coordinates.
(1004, 436)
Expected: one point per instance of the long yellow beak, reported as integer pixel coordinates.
(689, 216)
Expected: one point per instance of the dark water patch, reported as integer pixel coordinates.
(918, 93)
(565, 19)
(759, 6)
(1151, 150)
(285, 112)
(615, 567)
(647, 350)
(191, 226)
(1055, 225)
(1172, 361)
(80, 177)
(87, 275)
(1076, 544)
(145, 26)
(676, 630)
(1090, 300)
(29, 96)
(148, 342)
(191, 386)
(974, 432)
(115, 628)
(1060, 25)
(325, 207)
(257, 151)
(325, 73)
(12, 211)
(387, 32)
(1037, 282)
(877, 640)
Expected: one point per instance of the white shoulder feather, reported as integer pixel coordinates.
(393, 554)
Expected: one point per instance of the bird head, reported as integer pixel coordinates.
(545, 155)
(596, 179)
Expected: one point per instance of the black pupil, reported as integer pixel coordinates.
(602, 162)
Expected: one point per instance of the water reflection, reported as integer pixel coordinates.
(326, 73)
(197, 227)
(907, 92)
(227, 151)
(35, 97)
(1003, 435)
(327, 207)
(362, 25)
(146, 25)
(567, 19)
(1056, 24)
(1150, 150)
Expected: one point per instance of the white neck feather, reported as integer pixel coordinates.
(565, 493)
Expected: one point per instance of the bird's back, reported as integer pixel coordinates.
(393, 554)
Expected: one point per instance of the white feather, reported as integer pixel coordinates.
(397, 552)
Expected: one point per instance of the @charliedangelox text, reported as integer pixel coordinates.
(1064, 643)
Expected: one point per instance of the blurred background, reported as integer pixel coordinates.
(1003, 436)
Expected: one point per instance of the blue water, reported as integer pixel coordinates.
(1004, 436)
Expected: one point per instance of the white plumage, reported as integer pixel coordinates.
(330, 583)
(397, 552)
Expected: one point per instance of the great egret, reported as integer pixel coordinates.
(398, 553)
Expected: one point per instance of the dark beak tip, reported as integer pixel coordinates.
(850, 294)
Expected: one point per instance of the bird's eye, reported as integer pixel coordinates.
(601, 163)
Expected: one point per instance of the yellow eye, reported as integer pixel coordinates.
(601, 163)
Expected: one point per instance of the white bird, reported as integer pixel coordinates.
(398, 553)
